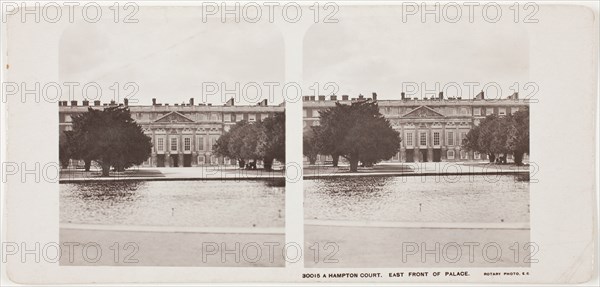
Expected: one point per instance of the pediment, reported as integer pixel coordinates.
(174, 117)
(423, 112)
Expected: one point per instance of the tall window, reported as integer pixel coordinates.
(227, 117)
(477, 111)
(436, 138)
(489, 111)
(160, 144)
(252, 117)
(187, 144)
(173, 144)
(409, 139)
(450, 138)
(463, 136)
(502, 111)
(200, 143)
(423, 138)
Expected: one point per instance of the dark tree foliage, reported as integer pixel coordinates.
(358, 132)
(501, 135)
(110, 137)
(251, 141)
(271, 143)
(310, 144)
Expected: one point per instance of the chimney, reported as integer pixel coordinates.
(126, 101)
(360, 97)
(333, 97)
(59, 103)
(112, 103)
(321, 98)
(312, 98)
(96, 103)
(441, 95)
(191, 101)
(85, 102)
(374, 96)
(344, 97)
(263, 103)
(514, 96)
(305, 98)
(209, 104)
(480, 96)
(74, 103)
(402, 96)
(154, 101)
(230, 102)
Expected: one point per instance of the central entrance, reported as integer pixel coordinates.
(175, 160)
(423, 155)
(437, 155)
(187, 160)
(410, 155)
(160, 160)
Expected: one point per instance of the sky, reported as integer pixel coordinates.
(373, 50)
(170, 53)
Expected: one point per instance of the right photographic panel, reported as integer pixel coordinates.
(416, 146)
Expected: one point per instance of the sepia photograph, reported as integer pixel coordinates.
(423, 151)
(175, 170)
(299, 143)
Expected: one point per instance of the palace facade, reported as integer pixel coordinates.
(431, 129)
(182, 134)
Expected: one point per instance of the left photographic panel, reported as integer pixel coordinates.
(171, 141)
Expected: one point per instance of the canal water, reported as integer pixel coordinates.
(490, 198)
(175, 203)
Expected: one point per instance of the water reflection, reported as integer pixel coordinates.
(174, 203)
(118, 191)
(418, 199)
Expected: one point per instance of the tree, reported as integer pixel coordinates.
(518, 135)
(251, 141)
(310, 145)
(230, 143)
(501, 135)
(358, 132)
(64, 149)
(271, 144)
(110, 137)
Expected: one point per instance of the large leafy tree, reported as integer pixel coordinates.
(518, 135)
(251, 141)
(310, 143)
(501, 135)
(358, 132)
(110, 137)
(271, 143)
(230, 143)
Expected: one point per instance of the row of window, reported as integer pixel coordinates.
(215, 117)
(450, 154)
(423, 138)
(187, 143)
(478, 111)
